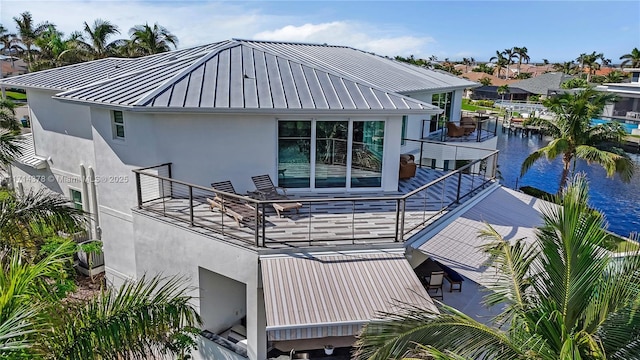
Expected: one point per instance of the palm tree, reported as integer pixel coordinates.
(500, 62)
(97, 41)
(146, 318)
(503, 89)
(486, 81)
(139, 320)
(568, 67)
(631, 60)
(575, 137)
(509, 55)
(23, 286)
(9, 42)
(563, 297)
(153, 40)
(521, 53)
(591, 61)
(483, 67)
(29, 32)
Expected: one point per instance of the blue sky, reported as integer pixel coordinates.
(553, 30)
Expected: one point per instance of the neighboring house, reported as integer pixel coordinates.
(542, 84)
(12, 66)
(491, 93)
(627, 106)
(476, 76)
(137, 143)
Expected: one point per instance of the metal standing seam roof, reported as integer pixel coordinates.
(238, 76)
(82, 74)
(386, 73)
(308, 291)
(29, 156)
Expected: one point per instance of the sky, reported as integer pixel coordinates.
(553, 30)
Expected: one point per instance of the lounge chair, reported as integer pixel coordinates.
(454, 131)
(435, 282)
(266, 190)
(231, 205)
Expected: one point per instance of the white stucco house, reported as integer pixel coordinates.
(627, 107)
(138, 142)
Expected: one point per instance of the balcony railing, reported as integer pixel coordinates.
(486, 128)
(335, 219)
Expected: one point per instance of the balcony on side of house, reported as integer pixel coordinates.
(322, 218)
(472, 127)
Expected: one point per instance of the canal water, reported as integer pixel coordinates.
(618, 201)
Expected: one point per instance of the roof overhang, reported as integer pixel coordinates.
(336, 293)
(256, 111)
(29, 157)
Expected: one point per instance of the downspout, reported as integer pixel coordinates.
(85, 196)
(94, 204)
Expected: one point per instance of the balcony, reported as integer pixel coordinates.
(325, 219)
(485, 128)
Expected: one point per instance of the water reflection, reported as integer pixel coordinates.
(620, 202)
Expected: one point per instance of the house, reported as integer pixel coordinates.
(137, 143)
(627, 106)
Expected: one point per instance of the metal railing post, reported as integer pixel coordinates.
(164, 208)
(397, 219)
(421, 149)
(459, 186)
(139, 190)
(403, 209)
(264, 226)
(170, 177)
(257, 229)
(191, 205)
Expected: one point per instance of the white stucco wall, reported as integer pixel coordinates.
(190, 251)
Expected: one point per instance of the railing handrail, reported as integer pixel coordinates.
(448, 144)
(318, 200)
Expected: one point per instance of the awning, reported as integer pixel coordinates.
(29, 156)
(334, 294)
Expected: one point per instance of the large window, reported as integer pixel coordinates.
(330, 154)
(294, 154)
(366, 153)
(444, 102)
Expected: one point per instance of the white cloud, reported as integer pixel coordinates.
(357, 35)
(201, 22)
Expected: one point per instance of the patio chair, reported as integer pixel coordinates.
(468, 124)
(454, 130)
(230, 205)
(435, 282)
(266, 190)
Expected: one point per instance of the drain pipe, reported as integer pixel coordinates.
(94, 203)
(85, 194)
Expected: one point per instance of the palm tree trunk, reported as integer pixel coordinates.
(566, 166)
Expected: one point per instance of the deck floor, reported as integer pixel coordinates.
(327, 223)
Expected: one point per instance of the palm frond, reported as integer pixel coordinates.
(137, 320)
(551, 151)
(612, 163)
(570, 265)
(511, 281)
(11, 146)
(450, 331)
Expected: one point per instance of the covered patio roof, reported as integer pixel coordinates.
(334, 294)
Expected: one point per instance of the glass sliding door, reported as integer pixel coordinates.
(294, 154)
(366, 153)
(331, 154)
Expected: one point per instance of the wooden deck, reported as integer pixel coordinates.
(325, 219)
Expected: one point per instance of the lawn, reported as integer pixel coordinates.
(16, 95)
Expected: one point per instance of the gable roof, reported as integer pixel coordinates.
(541, 84)
(240, 74)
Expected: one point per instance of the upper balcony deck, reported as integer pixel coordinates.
(324, 219)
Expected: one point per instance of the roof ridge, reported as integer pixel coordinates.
(224, 45)
(129, 73)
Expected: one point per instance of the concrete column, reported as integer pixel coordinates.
(256, 322)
